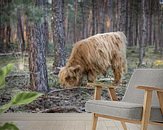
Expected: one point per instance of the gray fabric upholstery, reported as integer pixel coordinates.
(131, 105)
(125, 110)
(114, 108)
(147, 77)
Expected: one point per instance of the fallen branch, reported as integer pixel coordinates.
(61, 110)
(64, 89)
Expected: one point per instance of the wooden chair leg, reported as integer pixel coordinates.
(160, 98)
(94, 122)
(124, 125)
(112, 94)
(146, 109)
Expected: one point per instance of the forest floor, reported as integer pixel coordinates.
(59, 99)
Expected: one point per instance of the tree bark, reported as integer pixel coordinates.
(20, 31)
(75, 20)
(83, 19)
(123, 16)
(46, 26)
(58, 34)
(130, 23)
(93, 17)
(143, 34)
(37, 56)
(110, 13)
(67, 22)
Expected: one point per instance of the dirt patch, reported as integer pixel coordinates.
(58, 100)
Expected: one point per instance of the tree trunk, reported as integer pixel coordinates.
(130, 27)
(123, 16)
(83, 19)
(75, 20)
(126, 26)
(66, 21)
(161, 32)
(93, 17)
(7, 36)
(137, 27)
(20, 32)
(5, 28)
(58, 34)
(102, 13)
(46, 26)
(110, 13)
(37, 59)
(143, 34)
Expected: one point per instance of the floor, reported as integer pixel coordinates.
(57, 121)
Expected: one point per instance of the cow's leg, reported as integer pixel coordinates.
(91, 76)
(117, 70)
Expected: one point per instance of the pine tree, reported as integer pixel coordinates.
(58, 34)
(37, 50)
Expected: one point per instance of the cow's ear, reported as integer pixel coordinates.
(77, 69)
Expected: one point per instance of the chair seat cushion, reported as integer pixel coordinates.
(125, 110)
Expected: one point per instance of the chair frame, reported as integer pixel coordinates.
(146, 106)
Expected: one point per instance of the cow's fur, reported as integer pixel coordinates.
(94, 56)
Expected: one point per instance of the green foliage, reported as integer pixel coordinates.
(8, 13)
(35, 14)
(21, 98)
(9, 126)
(5, 107)
(3, 73)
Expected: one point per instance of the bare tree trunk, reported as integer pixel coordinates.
(130, 29)
(37, 59)
(83, 19)
(96, 17)
(150, 28)
(102, 14)
(75, 20)
(161, 32)
(5, 28)
(156, 33)
(58, 34)
(20, 31)
(46, 26)
(110, 13)
(123, 16)
(7, 36)
(66, 21)
(118, 4)
(93, 17)
(114, 15)
(126, 27)
(2, 34)
(143, 34)
(137, 27)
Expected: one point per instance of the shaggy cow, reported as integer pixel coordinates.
(94, 56)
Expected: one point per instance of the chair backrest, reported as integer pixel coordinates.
(147, 77)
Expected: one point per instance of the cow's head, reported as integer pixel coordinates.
(70, 76)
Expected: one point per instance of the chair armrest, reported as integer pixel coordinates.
(148, 91)
(98, 90)
(150, 88)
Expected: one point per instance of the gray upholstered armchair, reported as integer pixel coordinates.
(141, 104)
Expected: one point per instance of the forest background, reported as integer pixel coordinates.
(37, 37)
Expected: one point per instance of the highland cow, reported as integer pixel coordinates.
(94, 56)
